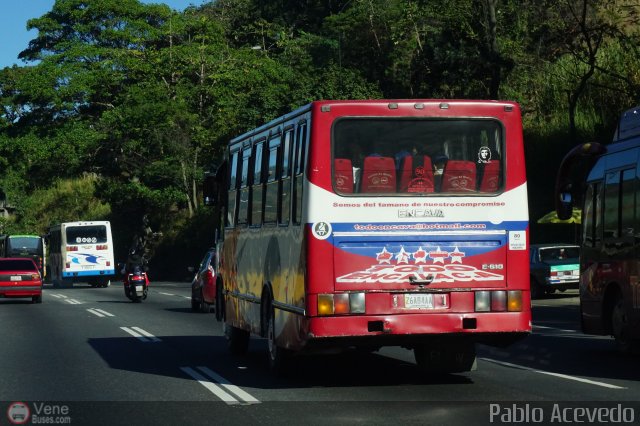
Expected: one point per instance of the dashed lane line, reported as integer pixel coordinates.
(100, 313)
(220, 386)
(140, 334)
(549, 373)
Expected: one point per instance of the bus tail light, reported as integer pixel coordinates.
(483, 301)
(325, 304)
(72, 248)
(341, 304)
(498, 301)
(514, 301)
(356, 303)
(102, 247)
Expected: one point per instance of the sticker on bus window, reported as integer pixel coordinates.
(517, 240)
(321, 230)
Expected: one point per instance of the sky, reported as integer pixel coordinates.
(14, 14)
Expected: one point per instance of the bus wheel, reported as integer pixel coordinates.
(237, 339)
(278, 356)
(446, 356)
(620, 325)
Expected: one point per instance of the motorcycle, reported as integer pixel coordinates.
(136, 284)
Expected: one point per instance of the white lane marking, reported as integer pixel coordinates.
(146, 334)
(187, 297)
(73, 301)
(99, 312)
(140, 334)
(216, 389)
(166, 294)
(243, 395)
(562, 376)
(59, 296)
(554, 328)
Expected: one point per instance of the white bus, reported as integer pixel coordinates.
(81, 252)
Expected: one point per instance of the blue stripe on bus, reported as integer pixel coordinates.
(89, 273)
(428, 226)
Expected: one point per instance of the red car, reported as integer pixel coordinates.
(20, 277)
(203, 286)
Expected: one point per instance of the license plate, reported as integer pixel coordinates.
(425, 301)
(16, 278)
(138, 288)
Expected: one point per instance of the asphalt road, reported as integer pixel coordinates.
(89, 356)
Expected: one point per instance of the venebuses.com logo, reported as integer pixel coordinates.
(18, 413)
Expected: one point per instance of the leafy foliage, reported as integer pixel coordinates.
(122, 106)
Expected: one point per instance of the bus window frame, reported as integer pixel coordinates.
(300, 151)
(257, 180)
(272, 184)
(285, 174)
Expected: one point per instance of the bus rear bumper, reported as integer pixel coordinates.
(493, 328)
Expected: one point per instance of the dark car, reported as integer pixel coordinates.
(20, 277)
(203, 286)
(554, 267)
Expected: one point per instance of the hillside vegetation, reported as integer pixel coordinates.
(120, 107)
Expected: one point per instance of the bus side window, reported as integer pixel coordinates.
(284, 198)
(271, 191)
(300, 150)
(627, 194)
(257, 188)
(589, 216)
(611, 205)
(233, 189)
(243, 203)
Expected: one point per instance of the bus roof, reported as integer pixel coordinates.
(417, 104)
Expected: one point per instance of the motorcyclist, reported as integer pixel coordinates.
(135, 262)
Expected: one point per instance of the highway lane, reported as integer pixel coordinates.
(86, 344)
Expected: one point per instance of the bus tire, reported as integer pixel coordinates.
(446, 356)
(620, 325)
(237, 340)
(278, 356)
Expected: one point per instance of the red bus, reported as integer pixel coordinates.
(362, 224)
(605, 179)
